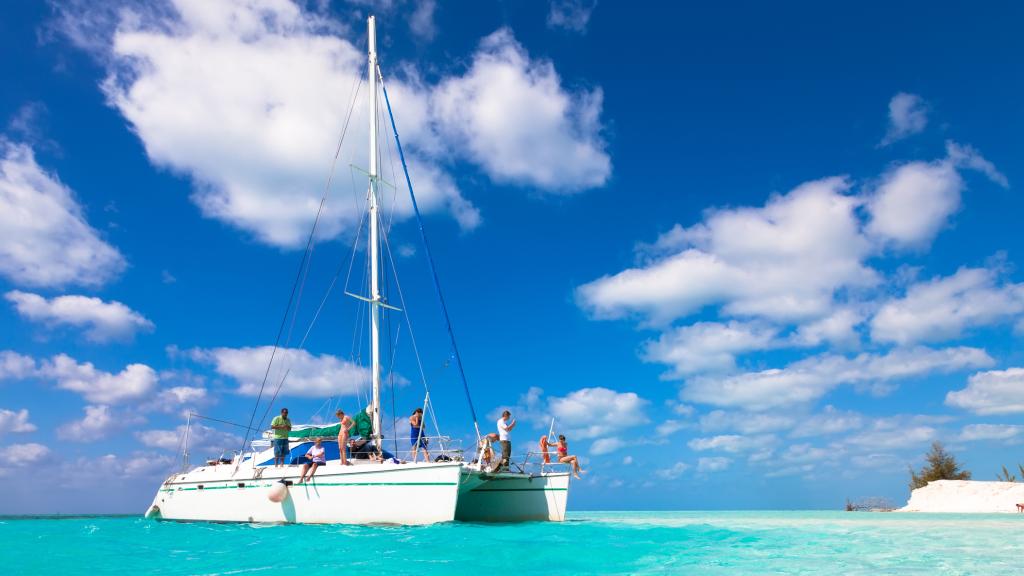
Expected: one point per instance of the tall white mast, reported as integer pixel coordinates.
(374, 240)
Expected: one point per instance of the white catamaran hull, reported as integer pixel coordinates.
(514, 497)
(361, 494)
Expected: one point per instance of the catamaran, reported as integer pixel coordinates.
(380, 489)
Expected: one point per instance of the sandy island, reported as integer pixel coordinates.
(966, 496)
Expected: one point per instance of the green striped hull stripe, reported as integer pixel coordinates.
(519, 490)
(313, 484)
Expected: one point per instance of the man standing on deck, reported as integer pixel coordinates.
(505, 426)
(281, 425)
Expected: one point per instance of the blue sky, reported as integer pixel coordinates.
(746, 256)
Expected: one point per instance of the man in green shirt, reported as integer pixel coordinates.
(281, 425)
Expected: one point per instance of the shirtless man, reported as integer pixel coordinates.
(346, 423)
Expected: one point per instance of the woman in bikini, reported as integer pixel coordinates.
(346, 424)
(565, 458)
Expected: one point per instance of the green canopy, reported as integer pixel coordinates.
(314, 432)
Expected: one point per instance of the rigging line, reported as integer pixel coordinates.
(237, 425)
(430, 258)
(412, 336)
(303, 268)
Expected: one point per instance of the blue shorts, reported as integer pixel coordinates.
(418, 442)
(280, 447)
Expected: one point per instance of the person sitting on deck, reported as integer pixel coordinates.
(343, 431)
(565, 458)
(416, 436)
(315, 457)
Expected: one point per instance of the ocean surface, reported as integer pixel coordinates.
(593, 543)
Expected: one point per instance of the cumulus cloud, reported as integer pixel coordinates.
(14, 366)
(203, 440)
(572, 15)
(809, 379)
(829, 421)
(895, 433)
(712, 463)
(732, 443)
(993, 392)
(607, 446)
(255, 137)
(102, 321)
(784, 261)
(908, 114)
(914, 201)
(312, 376)
(98, 423)
(669, 427)
(11, 421)
(585, 413)
(672, 472)
(744, 422)
(134, 382)
(511, 116)
(706, 346)
(45, 239)
(421, 21)
(973, 432)
(23, 454)
(941, 309)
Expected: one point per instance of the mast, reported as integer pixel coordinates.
(374, 240)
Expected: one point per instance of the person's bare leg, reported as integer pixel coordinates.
(313, 470)
(305, 467)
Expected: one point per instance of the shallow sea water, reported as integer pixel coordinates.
(594, 543)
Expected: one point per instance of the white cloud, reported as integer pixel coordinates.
(23, 454)
(713, 463)
(203, 440)
(993, 392)
(838, 328)
(572, 15)
(669, 427)
(11, 421)
(512, 116)
(941, 309)
(966, 156)
(732, 443)
(784, 261)
(914, 201)
(421, 21)
(102, 321)
(813, 377)
(706, 346)
(908, 114)
(672, 472)
(973, 432)
(895, 432)
(744, 422)
(308, 375)
(98, 423)
(14, 366)
(586, 413)
(136, 381)
(829, 421)
(44, 237)
(606, 446)
(247, 98)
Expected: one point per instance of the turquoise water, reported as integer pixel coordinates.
(596, 543)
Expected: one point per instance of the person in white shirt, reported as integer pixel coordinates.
(316, 456)
(505, 426)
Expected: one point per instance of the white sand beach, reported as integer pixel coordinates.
(966, 496)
